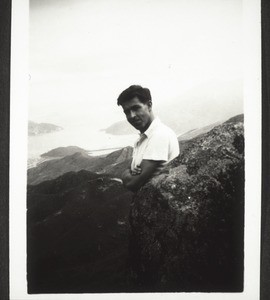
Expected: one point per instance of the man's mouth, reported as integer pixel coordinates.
(137, 122)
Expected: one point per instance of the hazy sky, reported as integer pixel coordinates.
(83, 53)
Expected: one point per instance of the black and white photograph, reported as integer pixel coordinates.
(138, 150)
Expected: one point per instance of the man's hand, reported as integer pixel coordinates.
(137, 170)
(133, 180)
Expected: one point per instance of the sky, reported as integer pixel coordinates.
(83, 53)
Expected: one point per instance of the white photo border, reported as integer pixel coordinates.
(18, 162)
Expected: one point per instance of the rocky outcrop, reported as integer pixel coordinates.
(187, 223)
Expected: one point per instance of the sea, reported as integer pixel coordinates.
(96, 142)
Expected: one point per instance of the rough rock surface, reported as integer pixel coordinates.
(187, 223)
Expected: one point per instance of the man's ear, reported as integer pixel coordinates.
(149, 103)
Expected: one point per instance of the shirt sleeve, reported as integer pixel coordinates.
(158, 147)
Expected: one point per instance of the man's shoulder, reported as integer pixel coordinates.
(163, 130)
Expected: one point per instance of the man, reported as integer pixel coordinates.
(157, 144)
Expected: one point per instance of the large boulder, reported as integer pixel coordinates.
(187, 223)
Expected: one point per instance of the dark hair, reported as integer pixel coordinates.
(143, 94)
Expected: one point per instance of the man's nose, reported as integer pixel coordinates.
(132, 114)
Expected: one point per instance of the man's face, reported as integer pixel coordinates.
(137, 113)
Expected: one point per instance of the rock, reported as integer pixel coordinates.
(187, 224)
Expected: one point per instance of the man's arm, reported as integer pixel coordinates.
(148, 168)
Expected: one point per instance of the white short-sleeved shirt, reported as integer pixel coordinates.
(158, 142)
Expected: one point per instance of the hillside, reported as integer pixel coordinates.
(41, 128)
(182, 232)
(77, 234)
(197, 131)
(64, 151)
(113, 163)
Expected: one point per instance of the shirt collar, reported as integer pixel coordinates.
(148, 132)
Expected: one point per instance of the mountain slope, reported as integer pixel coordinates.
(41, 128)
(186, 225)
(64, 151)
(77, 234)
(79, 161)
(195, 132)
